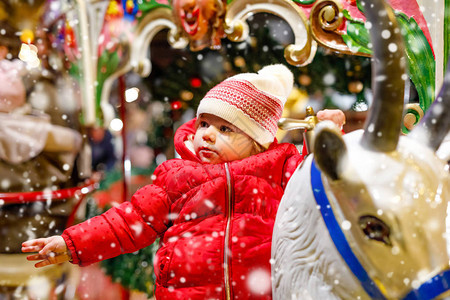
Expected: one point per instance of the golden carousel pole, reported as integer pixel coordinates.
(91, 16)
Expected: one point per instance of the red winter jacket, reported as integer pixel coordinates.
(215, 223)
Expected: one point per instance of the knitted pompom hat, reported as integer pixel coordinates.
(253, 102)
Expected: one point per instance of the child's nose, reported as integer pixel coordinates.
(210, 134)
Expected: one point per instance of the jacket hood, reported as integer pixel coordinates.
(183, 145)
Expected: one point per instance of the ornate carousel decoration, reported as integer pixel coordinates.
(336, 25)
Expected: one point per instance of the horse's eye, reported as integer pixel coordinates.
(375, 229)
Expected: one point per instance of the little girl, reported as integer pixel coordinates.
(214, 209)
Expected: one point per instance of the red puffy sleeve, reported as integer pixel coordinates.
(126, 228)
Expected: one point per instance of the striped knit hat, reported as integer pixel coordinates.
(253, 102)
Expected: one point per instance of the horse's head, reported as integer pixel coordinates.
(382, 198)
(391, 207)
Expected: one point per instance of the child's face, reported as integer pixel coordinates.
(217, 141)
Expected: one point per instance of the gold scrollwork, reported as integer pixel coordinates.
(330, 17)
(157, 20)
(138, 59)
(237, 31)
(413, 115)
(326, 18)
(298, 54)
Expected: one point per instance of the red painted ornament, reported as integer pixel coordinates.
(196, 82)
(129, 6)
(69, 36)
(176, 105)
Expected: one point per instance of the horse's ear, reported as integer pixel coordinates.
(329, 149)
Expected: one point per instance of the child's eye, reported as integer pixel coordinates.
(224, 128)
(203, 124)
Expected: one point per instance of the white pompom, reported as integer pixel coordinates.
(275, 80)
(282, 73)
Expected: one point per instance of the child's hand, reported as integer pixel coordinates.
(334, 115)
(52, 250)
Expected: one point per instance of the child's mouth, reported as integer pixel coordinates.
(207, 153)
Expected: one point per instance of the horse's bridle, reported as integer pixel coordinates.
(429, 289)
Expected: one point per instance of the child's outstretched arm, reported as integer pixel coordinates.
(51, 250)
(125, 228)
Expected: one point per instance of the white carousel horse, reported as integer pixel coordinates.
(365, 216)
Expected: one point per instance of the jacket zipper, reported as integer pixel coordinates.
(227, 235)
